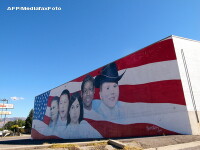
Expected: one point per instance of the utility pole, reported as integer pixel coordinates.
(4, 101)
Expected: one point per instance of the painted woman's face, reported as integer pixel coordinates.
(54, 110)
(63, 107)
(75, 112)
(109, 93)
(88, 94)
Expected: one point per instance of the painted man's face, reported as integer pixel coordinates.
(88, 94)
(75, 112)
(109, 93)
(54, 110)
(63, 106)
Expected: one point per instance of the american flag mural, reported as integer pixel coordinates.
(40, 106)
(138, 95)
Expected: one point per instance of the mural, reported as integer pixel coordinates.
(138, 95)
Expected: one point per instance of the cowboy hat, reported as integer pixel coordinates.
(109, 73)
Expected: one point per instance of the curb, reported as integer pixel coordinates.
(116, 143)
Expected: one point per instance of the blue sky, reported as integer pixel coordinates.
(44, 49)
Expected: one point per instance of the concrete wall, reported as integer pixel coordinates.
(188, 58)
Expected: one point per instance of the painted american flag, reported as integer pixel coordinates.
(151, 94)
(40, 106)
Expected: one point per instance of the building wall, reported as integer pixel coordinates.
(188, 57)
(141, 95)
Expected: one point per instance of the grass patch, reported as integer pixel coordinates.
(96, 144)
(68, 146)
(132, 148)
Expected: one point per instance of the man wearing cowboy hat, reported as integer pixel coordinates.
(107, 81)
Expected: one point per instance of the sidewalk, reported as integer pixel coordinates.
(178, 146)
(161, 141)
(174, 142)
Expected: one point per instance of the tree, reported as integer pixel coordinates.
(14, 128)
(18, 122)
(8, 125)
(29, 119)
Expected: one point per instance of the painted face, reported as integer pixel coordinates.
(88, 94)
(54, 110)
(63, 107)
(75, 112)
(109, 93)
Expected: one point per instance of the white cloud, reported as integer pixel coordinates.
(16, 98)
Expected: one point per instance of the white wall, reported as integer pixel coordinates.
(191, 52)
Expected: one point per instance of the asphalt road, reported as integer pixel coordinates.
(15, 138)
(26, 141)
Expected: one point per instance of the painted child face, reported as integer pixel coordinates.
(88, 94)
(75, 112)
(109, 93)
(63, 106)
(54, 110)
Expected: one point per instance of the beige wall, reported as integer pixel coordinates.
(188, 57)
